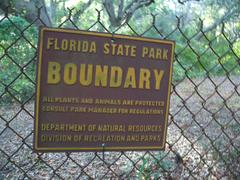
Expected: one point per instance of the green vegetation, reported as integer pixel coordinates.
(18, 59)
(204, 47)
(154, 168)
(215, 54)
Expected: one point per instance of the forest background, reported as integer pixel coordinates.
(206, 33)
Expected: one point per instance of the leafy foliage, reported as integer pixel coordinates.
(17, 52)
(212, 53)
(154, 168)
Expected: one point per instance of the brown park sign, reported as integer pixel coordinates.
(98, 91)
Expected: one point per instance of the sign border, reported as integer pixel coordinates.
(102, 34)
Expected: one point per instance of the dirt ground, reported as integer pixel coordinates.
(203, 141)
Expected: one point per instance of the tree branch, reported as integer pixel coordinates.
(110, 11)
(44, 13)
(129, 10)
(225, 17)
(120, 8)
(125, 14)
(30, 8)
(184, 1)
(52, 10)
(81, 10)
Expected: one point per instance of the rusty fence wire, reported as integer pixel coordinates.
(203, 140)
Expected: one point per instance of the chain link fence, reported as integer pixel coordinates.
(203, 140)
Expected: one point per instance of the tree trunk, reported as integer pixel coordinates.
(30, 11)
(123, 14)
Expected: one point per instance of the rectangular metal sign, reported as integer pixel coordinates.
(98, 91)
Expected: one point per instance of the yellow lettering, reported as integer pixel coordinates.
(86, 80)
(130, 78)
(165, 53)
(72, 45)
(56, 44)
(79, 46)
(133, 51)
(158, 78)
(127, 49)
(113, 48)
(101, 76)
(49, 42)
(84, 46)
(93, 47)
(151, 53)
(144, 79)
(159, 53)
(64, 44)
(116, 76)
(120, 50)
(70, 73)
(106, 48)
(144, 51)
(53, 76)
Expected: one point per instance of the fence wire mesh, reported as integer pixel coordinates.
(203, 138)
